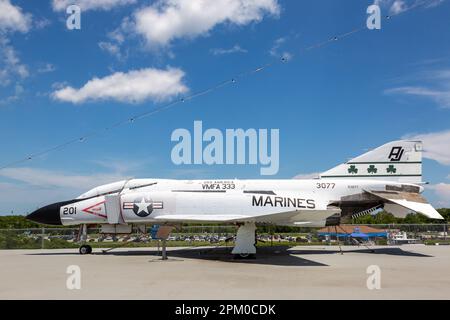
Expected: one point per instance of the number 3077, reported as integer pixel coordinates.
(326, 185)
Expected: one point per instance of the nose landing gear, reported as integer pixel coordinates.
(85, 249)
(82, 238)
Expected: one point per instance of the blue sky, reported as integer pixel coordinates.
(330, 104)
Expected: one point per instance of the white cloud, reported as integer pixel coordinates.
(440, 97)
(24, 189)
(399, 6)
(122, 167)
(12, 18)
(48, 67)
(18, 92)
(167, 20)
(276, 45)
(42, 23)
(61, 5)
(48, 178)
(113, 45)
(434, 3)
(31, 188)
(10, 65)
(12, 71)
(438, 89)
(276, 52)
(117, 35)
(22, 199)
(442, 190)
(13, 62)
(436, 145)
(235, 49)
(111, 48)
(134, 86)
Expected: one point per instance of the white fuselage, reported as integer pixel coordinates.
(148, 201)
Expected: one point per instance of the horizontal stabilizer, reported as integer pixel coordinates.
(400, 203)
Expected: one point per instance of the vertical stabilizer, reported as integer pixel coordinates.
(398, 161)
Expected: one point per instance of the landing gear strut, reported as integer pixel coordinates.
(337, 239)
(245, 242)
(164, 250)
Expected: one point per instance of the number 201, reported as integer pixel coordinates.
(70, 210)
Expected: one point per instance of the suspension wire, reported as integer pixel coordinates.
(213, 88)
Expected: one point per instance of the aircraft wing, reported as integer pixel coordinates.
(298, 217)
(200, 218)
(401, 203)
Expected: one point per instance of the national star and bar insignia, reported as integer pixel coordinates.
(143, 206)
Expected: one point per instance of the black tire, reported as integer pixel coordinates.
(85, 249)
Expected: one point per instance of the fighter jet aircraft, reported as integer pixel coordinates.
(388, 177)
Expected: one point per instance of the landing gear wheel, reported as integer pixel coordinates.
(85, 249)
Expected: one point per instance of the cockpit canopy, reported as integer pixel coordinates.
(110, 188)
(117, 187)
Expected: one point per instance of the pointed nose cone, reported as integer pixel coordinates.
(48, 215)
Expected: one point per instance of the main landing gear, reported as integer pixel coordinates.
(244, 246)
(245, 242)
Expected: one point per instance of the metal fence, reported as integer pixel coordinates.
(431, 231)
(47, 238)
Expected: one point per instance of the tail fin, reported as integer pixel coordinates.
(398, 160)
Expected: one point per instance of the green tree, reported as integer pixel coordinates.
(445, 213)
(16, 222)
(384, 217)
(368, 219)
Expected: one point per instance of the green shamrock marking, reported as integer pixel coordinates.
(391, 169)
(353, 170)
(372, 169)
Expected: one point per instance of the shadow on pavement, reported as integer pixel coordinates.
(394, 251)
(277, 256)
